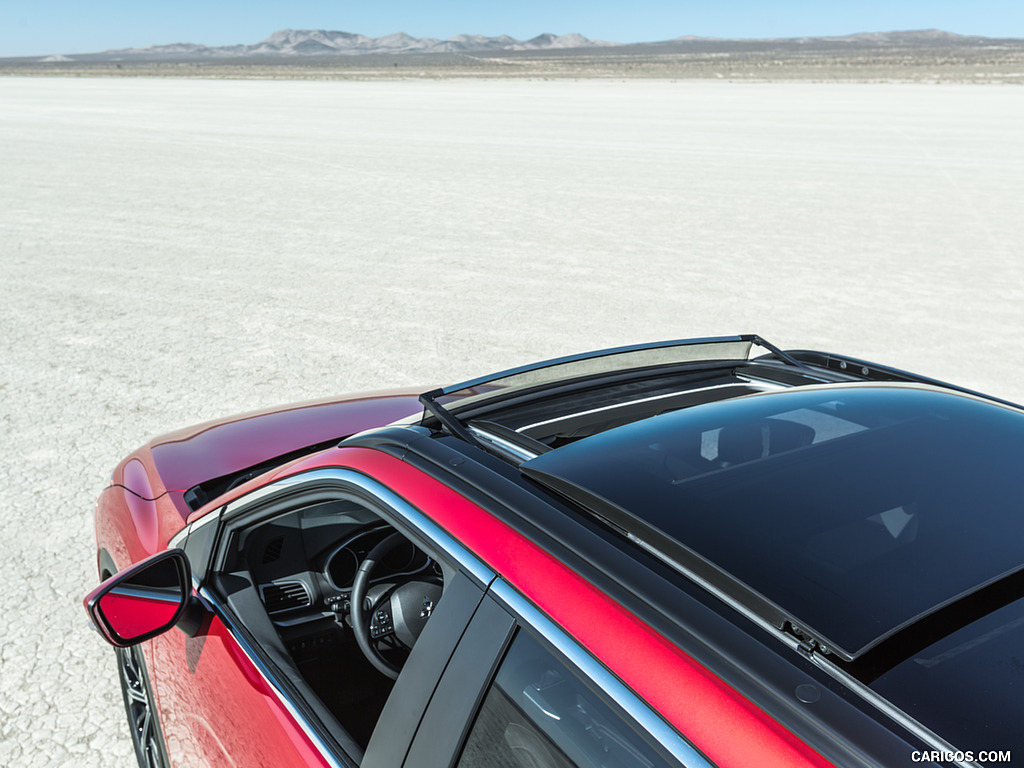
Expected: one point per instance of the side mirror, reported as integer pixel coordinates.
(143, 601)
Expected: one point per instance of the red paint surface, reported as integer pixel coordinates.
(140, 500)
(211, 450)
(724, 725)
(130, 528)
(216, 710)
(131, 616)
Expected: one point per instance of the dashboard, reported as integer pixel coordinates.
(304, 563)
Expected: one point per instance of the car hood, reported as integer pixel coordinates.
(193, 455)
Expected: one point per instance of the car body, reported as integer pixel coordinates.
(667, 554)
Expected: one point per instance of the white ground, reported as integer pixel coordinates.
(172, 251)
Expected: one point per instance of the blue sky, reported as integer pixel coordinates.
(39, 27)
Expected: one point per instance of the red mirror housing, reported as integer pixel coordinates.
(143, 601)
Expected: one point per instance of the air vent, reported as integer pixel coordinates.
(285, 596)
(273, 550)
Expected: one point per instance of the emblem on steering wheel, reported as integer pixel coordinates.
(428, 608)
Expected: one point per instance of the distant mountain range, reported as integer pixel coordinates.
(318, 42)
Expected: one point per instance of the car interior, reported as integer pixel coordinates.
(304, 565)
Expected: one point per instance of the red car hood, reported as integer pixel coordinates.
(196, 454)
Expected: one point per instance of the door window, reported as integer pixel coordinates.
(539, 713)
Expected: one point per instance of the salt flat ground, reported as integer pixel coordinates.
(175, 250)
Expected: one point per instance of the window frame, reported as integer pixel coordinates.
(258, 641)
(446, 724)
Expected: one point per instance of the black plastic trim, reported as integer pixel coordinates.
(202, 493)
(429, 401)
(461, 689)
(697, 567)
(864, 370)
(199, 544)
(429, 658)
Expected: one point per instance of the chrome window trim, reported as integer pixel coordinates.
(406, 512)
(402, 510)
(210, 517)
(325, 749)
(235, 506)
(667, 736)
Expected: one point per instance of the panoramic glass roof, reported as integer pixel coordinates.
(853, 509)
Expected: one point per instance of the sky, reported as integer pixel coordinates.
(43, 27)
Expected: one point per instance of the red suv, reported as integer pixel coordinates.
(671, 554)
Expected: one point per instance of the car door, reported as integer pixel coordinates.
(519, 693)
(231, 694)
(221, 704)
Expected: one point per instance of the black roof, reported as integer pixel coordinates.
(839, 509)
(868, 517)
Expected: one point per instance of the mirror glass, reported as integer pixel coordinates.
(146, 600)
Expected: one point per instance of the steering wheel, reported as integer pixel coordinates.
(399, 614)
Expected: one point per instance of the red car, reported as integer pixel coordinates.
(672, 554)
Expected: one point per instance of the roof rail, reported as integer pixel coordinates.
(867, 371)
